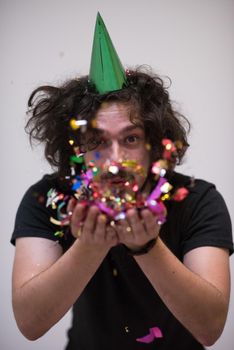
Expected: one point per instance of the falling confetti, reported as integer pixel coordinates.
(154, 333)
(119, 192)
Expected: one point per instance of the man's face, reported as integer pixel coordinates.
(118, 140)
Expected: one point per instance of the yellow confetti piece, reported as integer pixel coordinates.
(128, 197)
(115, 272)
(148, 146)
(94, 123)
(59, 234)
(165, 197)
(54, 221)
(71, 142)
(104, 104)
(73, 124)
(179, 144)
(166, 187)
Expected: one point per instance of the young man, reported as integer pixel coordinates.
(133, 283)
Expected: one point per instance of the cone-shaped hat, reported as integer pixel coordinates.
(106, 71)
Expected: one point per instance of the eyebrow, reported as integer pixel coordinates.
(126, 129)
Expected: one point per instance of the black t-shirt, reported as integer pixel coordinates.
(119, 305)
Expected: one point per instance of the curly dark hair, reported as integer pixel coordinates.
(51, 109)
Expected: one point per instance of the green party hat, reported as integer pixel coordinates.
(106, 71)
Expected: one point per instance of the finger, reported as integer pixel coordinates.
(90, 220)
(150, 222)
(100, 230)
(71, 205)
(77, 220)
(111, 234)
(78, 215)
(124, 230)
(135, 223)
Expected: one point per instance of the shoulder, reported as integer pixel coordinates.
(202, 196)
(44, 184)
(35, 197)
(33, 217)
(38, 191)
(199, 190)
(195, 185)
(202, 217)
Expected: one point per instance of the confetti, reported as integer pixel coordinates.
(148, 146)
(154, 333)
(77, 159)
(115, 272)
(126, 329)
(71, 142)
(117, 191)
(180, 194)
(55, 222)
(73, 124)
(113, 169)
(59, 234)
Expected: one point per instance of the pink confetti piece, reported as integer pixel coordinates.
(154, 333)
(105, 209)
(155, 194)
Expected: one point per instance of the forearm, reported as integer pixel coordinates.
(45, 298)
(196, 303)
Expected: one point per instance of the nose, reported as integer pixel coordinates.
(116, 152)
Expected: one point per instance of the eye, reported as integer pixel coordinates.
(95, 143)
(132, 139)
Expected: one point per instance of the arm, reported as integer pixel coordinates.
(46, 283)
(196, 291)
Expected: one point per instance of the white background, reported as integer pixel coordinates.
(46, 41)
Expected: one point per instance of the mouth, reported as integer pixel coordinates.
(117, 181)
(121, 180)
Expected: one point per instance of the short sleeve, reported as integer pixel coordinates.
(207, 221)
(33, 217)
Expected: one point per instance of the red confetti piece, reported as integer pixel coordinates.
(180, 194)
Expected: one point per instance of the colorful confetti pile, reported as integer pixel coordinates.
(119, 192)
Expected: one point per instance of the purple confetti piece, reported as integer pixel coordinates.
(154, 333)
(157, 332)
(158, 208)
(105, 209)
(156, 193)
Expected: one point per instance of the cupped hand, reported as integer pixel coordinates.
(90, 226)
(137, 228)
